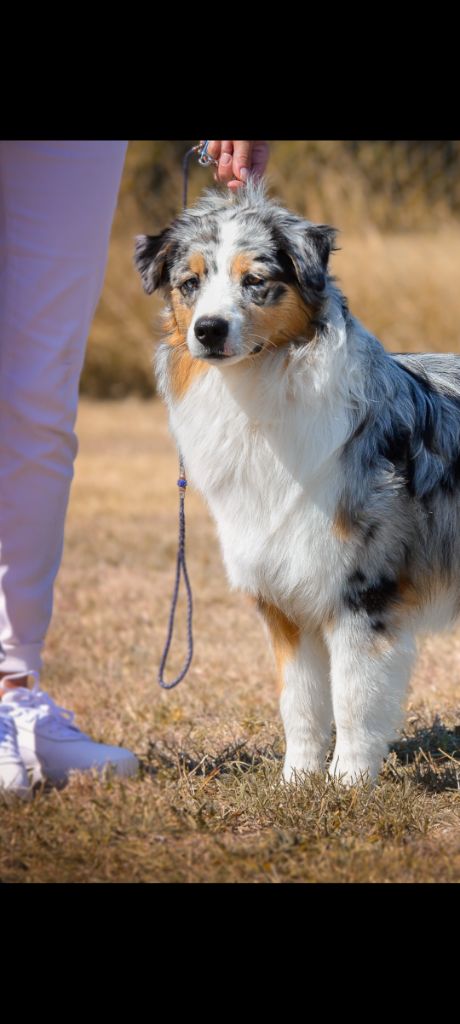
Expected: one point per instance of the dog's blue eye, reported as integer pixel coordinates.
(251, 281)
(188, 287)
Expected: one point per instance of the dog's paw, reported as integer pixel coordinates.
(294, 775)
(351, 772)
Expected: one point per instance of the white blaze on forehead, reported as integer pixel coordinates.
(229, 234)
(218, 297)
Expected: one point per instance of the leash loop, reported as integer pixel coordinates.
(181, 568)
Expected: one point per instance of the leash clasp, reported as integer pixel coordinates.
(203, 156)
(201, 151)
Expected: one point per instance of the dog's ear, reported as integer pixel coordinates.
(311, 259)
(308, 249)
(151, 259)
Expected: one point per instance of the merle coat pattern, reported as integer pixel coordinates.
(332, 467)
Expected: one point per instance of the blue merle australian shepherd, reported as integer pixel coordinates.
(331, 467)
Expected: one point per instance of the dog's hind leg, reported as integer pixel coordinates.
(306, 706)
(370, 671)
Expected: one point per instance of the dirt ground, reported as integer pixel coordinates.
(208, 804)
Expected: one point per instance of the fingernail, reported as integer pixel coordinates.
(225, 159)
(244, 173)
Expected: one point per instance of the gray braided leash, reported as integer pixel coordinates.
(181, 566)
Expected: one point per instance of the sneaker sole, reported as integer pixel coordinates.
(9, 796)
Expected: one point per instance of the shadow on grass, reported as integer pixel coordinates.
(432, 754)
(429, 755)
(235, 758)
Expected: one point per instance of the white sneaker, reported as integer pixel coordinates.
(14, 780)
(50, 745)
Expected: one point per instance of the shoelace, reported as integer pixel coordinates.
(7, 730)
(8, 739)
(35, 703)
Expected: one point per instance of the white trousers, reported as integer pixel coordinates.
(57, 201)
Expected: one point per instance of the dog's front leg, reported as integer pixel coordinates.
(370, 671)
(306, 706)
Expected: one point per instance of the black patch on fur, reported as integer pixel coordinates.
(396, 447)
(307, 254)
(276, 294)
(257, 296)
(322, 238)
(372, 599)
(360, 429)
(318, 323)
(268, 296)
(450, 479)
(286, 272)
(263, 258)
(370, 532)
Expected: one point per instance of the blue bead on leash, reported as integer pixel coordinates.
(181, 566)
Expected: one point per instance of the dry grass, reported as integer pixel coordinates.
(209, 804)
(404, 288)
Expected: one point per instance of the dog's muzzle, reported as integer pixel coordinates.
(211, 332)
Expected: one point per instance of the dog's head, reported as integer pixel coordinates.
(241, 274)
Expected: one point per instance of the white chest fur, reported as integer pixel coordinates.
(266, 464)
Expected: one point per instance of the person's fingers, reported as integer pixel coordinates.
(236, 160)
(234, 185)
(214, 149)
(225, 168)
(242, 160)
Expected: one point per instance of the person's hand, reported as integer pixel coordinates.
(236, 160)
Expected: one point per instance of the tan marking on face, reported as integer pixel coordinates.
(284, 633)
(183, 368)
(182, 314)
(288, 319)
(243, 264)
(169, 322)
(197, 263)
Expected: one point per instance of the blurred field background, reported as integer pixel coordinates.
(208, 805)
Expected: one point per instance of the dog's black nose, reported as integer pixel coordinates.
(211, 331)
